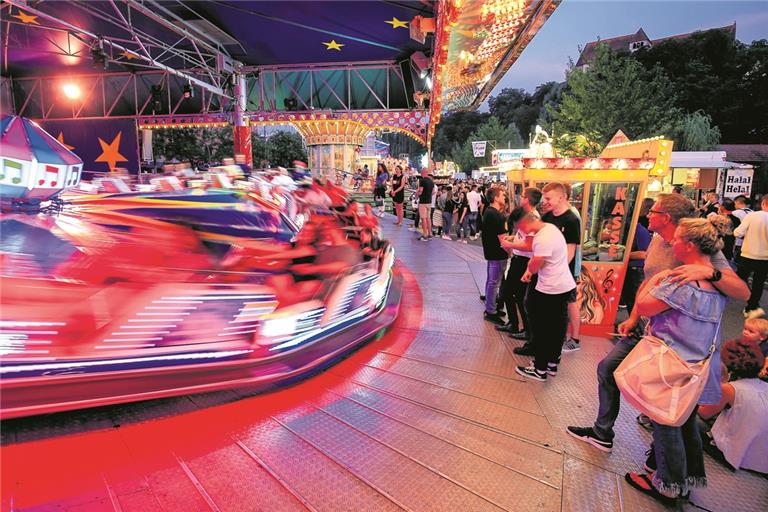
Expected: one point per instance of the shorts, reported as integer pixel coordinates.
(424, 210)
(572, 296)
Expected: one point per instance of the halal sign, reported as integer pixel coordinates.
(738, 182)
(478, 148)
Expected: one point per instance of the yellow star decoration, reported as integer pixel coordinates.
(60, 138)
(333, 45)
(26, 18)
(128, 55)
(110, 153)
(396, 23)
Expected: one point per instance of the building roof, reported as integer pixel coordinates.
(614, 43)
(745, 152)
(623, 42)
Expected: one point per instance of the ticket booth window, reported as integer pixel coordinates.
(608, 221)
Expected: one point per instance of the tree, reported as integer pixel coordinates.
(193, 144)
(694, 132)
(454, 129)
(280, 149)
(715, 73)
(491, 131)
(616, 93)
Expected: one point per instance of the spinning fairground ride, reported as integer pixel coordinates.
(118, 297)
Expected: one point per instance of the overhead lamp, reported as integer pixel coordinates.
(99, 56)
(189, 92)
(71, 91)
(157, 92)
(290, 104)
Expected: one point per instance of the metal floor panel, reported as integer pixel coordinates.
(527, 458)
(430, 416)
(494, 482)
(220, 476)
(321, 481)
(507, 419)
(513, 393)
(414, 485)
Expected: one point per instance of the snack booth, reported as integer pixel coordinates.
(607, 192)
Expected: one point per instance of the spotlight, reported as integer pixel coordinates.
(99, 56)
(429, 83)
(71, 91)
(189, 92)
(291, 104)
(157, 103)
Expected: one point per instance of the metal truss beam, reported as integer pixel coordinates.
(143, 55)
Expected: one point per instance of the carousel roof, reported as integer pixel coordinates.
(23, 139)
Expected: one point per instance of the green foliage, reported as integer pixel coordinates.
(568, 144)
(455, 129)
(614, 93)
(193, 144)
(694, 132)
(280, 149)
(496, 135)
(723, 77)
(518, 107)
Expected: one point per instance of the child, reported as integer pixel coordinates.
(756, 331)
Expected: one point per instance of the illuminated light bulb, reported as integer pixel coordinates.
(71, 91)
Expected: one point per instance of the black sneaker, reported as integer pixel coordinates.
(423, 239)
(520, 335)
(650, 461)
(493, 318)
(506, 328)
(644, 421)
(482, 298)
(588, 435)
(551, 369)
(531, 373)
(525, 350)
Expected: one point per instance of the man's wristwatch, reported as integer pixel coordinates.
(716, 276)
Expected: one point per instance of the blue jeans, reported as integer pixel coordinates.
(468, 224)
(679, 456)
(607, 391)
(447, 221)
(494, 271)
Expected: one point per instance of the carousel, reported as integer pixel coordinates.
(132, 295)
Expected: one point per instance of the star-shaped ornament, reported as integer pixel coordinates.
(333, 45)
(110, 153)
(26, 18)
(128, 55)
(396, 23)
(60, 138)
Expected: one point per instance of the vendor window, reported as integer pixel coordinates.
(608, 219)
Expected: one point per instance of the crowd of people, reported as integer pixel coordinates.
(685, 264)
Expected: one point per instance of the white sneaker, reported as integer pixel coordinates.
(446, 237)
(413, 229)
(571, 345)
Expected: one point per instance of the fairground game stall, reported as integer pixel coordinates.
(606, 191)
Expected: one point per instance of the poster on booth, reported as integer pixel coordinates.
(598, 293)
(738, 182)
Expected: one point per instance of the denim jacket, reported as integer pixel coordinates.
(689, 326)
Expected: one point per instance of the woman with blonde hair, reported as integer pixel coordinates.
(687, 318)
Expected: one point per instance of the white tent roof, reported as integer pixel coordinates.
(703, 160)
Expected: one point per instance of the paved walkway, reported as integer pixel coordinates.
(430, 416)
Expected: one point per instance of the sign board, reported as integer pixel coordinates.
(500, 156)
(738, 182)
(478, 148)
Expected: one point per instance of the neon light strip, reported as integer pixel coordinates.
(174, 357)
(171, 307)
(110, 347)
(134, 333)
(151, 320)
(120, 340)
(217, 297)
(162, 314)
(4, 323)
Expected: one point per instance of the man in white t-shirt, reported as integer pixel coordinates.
(754, 255)
(741, 211)
(547, 302)
(473, 200)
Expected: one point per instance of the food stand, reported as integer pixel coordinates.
(606, 191)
